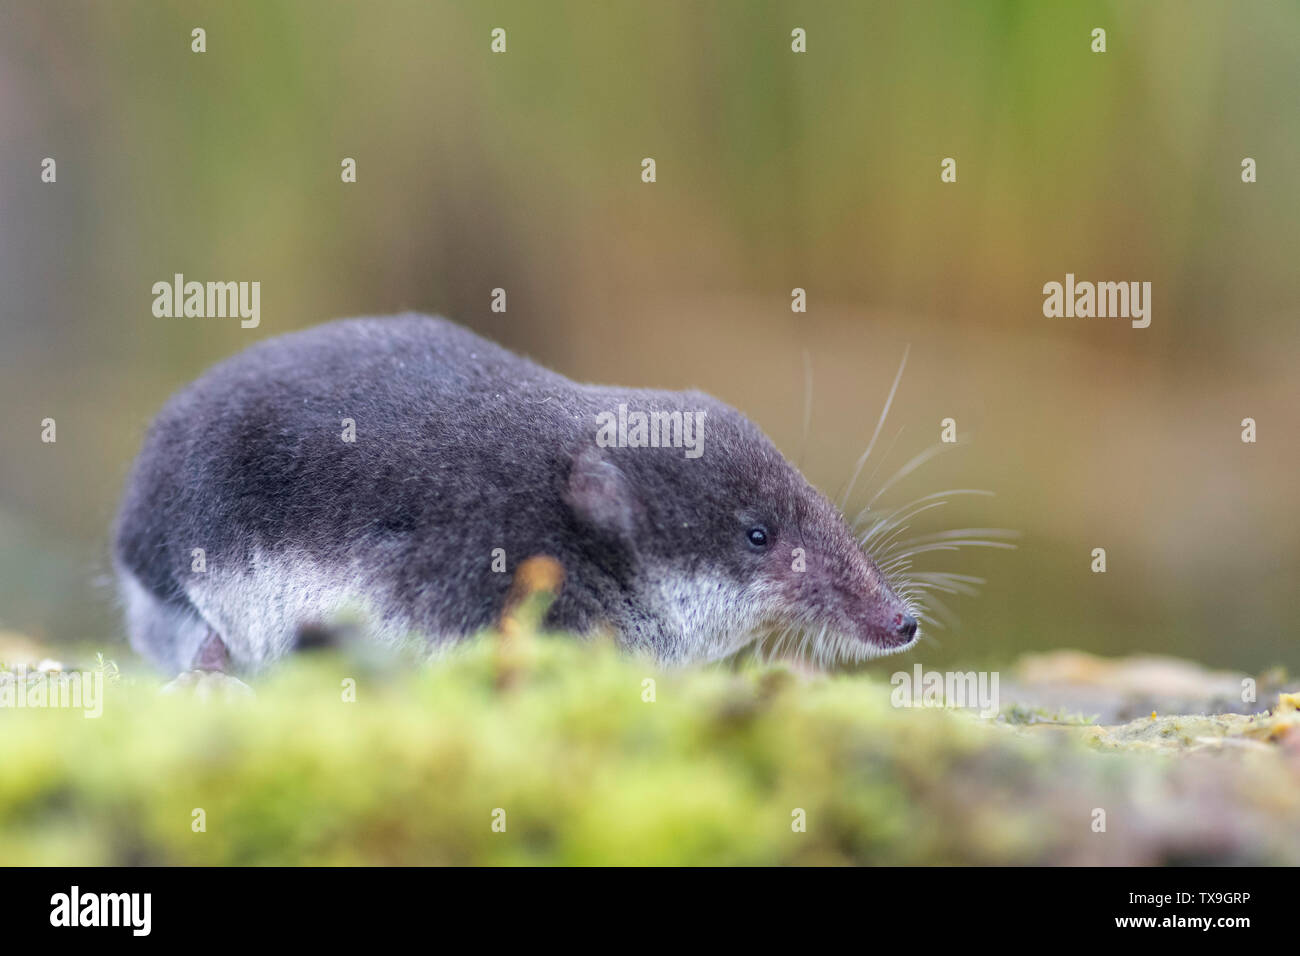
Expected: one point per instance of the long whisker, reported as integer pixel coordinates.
(958, 538)
(883, 548)
(1005, 533)
(946, 583)
(916, 462)
(807, 403)
(939, 614)
(894, 570)
(876, 434)
(957, 545)
(895, 525)
(885, 457)
(893, 512)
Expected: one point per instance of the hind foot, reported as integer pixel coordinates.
(208, 678)
(206, 685)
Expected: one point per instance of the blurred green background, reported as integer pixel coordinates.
(775, 170)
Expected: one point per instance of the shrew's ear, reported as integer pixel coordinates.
(601, 495)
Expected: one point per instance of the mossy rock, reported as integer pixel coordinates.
(719, 768)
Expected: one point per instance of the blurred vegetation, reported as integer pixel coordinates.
(561, 736)
(775, 170)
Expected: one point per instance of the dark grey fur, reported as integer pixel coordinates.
(462, 447)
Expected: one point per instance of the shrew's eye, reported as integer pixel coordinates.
(758, 537)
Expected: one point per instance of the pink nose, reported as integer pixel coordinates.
(905, 625)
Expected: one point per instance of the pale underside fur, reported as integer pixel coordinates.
(259, 610)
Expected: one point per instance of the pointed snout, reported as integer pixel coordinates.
(891, 631)
(888, 621)
(844, 588)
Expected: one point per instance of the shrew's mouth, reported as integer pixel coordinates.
(899, 640)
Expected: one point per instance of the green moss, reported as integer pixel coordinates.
(585, 769)
(1019, 714)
